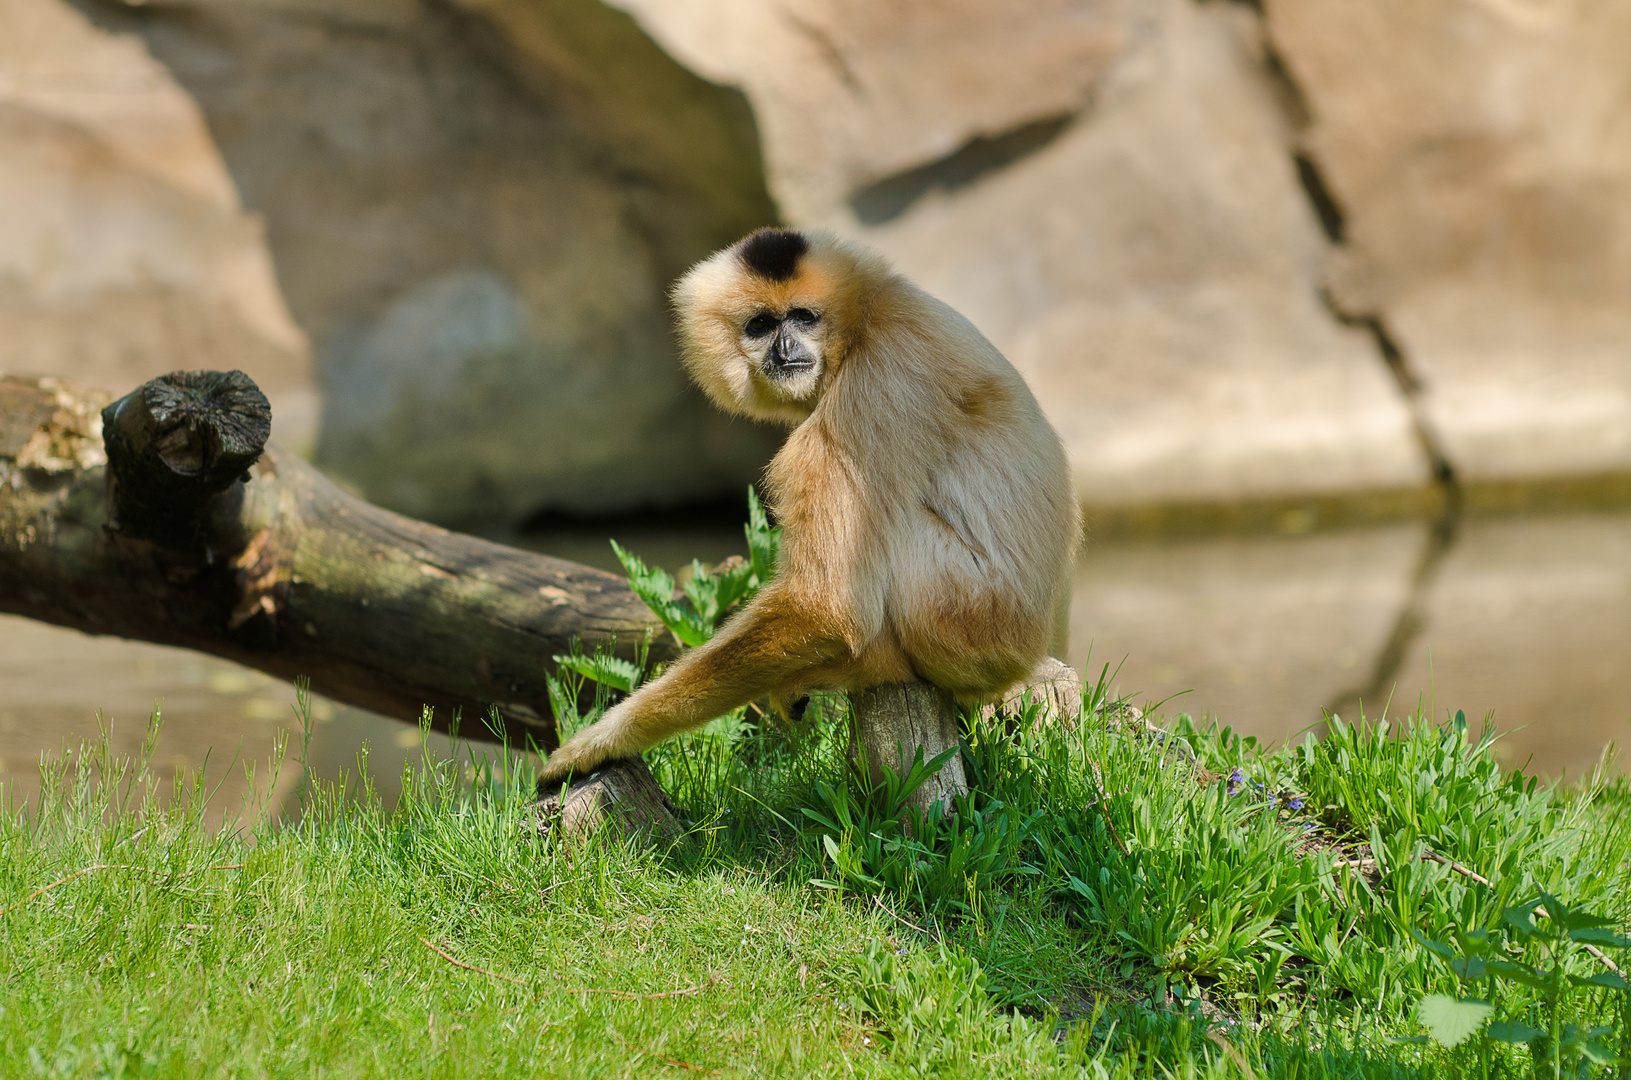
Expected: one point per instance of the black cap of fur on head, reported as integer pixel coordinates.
(774, 253)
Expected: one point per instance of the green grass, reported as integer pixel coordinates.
(1105, 904)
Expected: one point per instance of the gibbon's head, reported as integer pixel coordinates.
(766, 323)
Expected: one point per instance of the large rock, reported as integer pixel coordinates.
(1480, 154)
(124, 250)
(1122, 218)
(851, 92)
(475, 210)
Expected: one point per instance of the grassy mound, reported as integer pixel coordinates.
(1108, 902)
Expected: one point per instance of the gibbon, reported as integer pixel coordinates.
(929, 526)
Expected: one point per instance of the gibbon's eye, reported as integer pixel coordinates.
(760, 325)
(804, 316)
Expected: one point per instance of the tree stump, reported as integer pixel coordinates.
(892, 722)
(621, 794)
(1052, 684)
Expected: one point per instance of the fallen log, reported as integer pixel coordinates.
(167, 517)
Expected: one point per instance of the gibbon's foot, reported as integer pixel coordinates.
(579, 756)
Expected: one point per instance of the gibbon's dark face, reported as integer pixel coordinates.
(786, 348)
(783, 335)
(765, 324)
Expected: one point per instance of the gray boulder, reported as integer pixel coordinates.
(475, 210)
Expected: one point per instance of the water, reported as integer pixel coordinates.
(1524, 620)
(1527, 619)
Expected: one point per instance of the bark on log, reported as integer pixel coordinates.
(1053, 685)
(621, 794)
(892, 722)
(189, 530)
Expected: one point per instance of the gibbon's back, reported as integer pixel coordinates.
(974, 483)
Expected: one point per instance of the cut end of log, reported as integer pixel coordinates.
(620, 794)
(178, 441)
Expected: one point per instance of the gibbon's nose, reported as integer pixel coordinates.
(788, 352)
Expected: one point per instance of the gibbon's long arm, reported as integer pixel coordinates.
(772, 639)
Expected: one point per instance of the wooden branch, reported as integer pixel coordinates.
(188, 530)
(892, 722)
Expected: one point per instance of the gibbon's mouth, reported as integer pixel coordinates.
(787, 368)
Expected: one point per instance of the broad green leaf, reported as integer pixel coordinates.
(1469, 967)
(612, 671)
(1601, 936)
(1597, 1054)
(732, 584)
(1522, 973)
(1511, 1031)
(1602, 978)
(1437, 948)
(1521, 918)
(764, 542)
(832, 848)
(703, 592)
(1579, 920)
(1474, 942)
(1451, 1021)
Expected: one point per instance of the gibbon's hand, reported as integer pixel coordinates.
(590, 748)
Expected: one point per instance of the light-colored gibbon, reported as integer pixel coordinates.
(928, 521)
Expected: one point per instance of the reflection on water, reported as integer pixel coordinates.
(1528, 618)
(216, 717)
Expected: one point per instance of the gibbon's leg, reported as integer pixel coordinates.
(752, 655)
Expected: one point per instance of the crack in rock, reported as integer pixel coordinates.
(884, 200)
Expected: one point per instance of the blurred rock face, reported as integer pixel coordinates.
(124, 250)
(475, 211)
(1242, 251)
(1480, 153)
(1240, 254)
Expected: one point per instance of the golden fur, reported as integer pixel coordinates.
(928, 522)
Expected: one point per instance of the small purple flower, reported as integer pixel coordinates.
(1295, 804)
